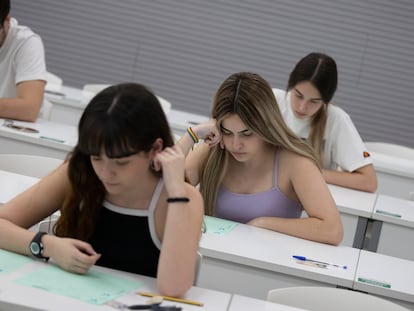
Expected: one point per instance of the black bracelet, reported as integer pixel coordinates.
(179, 199)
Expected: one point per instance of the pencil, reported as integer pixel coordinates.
(190, 302)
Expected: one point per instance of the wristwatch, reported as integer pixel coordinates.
(36, 246)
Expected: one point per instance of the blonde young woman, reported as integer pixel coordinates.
(308, 110)
(252, 169)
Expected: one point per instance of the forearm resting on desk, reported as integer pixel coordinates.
(363, 179)
(27, 103)
(309, 228)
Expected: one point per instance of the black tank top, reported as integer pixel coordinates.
(126, 238)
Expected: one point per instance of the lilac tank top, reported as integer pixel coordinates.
(245, 207)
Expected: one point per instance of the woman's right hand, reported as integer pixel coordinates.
(208, 132)
(70, 254)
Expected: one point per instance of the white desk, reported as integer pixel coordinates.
(68, 108)
(12, 184)
(250, 261)
(397, 230)
(355, 207)
(53, 140)
(394, 165)
(14, 296)
(180, 120)
(376, 271)
(243, 303)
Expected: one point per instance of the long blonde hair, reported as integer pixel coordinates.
(251, 98)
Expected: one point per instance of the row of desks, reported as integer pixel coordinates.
(19, 290)
(249, 261)
(70, 103)
(356, 207)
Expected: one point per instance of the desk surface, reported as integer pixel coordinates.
(68, 96)
(13, 294)
(394, 210)
(51, 134)
(12, 184)
(74, 98)
(273, 251)
(392, 159)
(352, 201)
(243, 303)
(385, 276)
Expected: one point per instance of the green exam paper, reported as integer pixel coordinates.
(95, 287)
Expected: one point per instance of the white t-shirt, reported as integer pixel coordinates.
(22, 58)
(343, 147)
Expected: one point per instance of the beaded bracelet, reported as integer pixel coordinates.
(192, 135)
(178, 199)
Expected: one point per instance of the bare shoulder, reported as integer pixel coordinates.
(295, 161)
(300, 170)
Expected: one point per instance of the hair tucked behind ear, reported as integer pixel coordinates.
(250, 97)
(120, 121)
(320, 70)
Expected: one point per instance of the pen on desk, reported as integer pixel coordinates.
(190, 302)
(303, 258)
(56, 140)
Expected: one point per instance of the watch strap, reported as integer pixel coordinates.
(36, 242)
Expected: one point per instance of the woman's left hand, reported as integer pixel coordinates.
(171, 161)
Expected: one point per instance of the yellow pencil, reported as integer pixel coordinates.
(190, 302)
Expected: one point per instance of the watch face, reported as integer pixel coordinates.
(35, 248)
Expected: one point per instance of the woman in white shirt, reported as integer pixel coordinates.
(308, 110)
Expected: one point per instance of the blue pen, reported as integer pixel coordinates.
(303, 258)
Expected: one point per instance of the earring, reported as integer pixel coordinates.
(152, 165)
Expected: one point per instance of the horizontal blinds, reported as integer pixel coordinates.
(184, 49)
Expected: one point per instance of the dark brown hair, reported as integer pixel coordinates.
(121, 120)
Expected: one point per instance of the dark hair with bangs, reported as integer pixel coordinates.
(120, 121)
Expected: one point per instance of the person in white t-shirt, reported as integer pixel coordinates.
(308, 110)
(22, 69)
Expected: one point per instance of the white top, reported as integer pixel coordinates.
(22, 58)
(343, 147)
